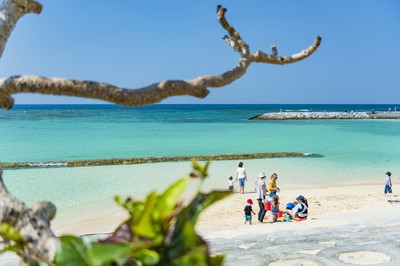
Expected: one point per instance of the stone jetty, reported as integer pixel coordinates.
(326, 115)
(142, 160)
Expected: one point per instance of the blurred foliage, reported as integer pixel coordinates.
(159, 231)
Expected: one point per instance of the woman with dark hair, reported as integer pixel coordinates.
(300, 211)
(241, 175)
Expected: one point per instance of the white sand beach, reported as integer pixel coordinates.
(328, 206)
(355, 224)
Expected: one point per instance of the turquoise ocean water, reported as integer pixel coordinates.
(353, 151)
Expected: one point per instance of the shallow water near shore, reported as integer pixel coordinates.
(354, 151)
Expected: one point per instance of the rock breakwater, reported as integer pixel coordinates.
(142, 160)
(326, 115)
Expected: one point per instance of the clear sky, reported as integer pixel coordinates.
(133, 44)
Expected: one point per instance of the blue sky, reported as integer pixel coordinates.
(133, 44)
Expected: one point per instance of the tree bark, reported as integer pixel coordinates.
(197, 87)
(34, 224)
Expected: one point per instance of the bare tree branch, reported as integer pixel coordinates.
(197, 87)
(10, 12)
(261, 57)
(34, 224)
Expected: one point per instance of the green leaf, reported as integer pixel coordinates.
(7, 231)
(204, 200)
(217, 260)
(148, 257)
(135, 208)
(171, 197)
(196, 166)
(196, 256)
(146, 227)
(202, 170)
(102, 253)
(72, 252)
(184, 239)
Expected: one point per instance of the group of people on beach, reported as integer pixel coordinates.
(267, 199)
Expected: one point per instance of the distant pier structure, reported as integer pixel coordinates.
(309, 115)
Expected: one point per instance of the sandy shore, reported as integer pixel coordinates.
(322, 201)
(349, 224)
(339, 203)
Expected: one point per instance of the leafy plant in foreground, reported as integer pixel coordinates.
(159, 231)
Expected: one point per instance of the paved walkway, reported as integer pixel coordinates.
(356, 243)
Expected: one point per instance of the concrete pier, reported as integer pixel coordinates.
(327, 115)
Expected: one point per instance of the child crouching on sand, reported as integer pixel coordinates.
(275, 208)
(248, 211)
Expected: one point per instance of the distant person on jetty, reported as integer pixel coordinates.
(241, 175)
(300, 210)
(248, 211)
(230, 183)
(261, 190)
(272, 188)
(388, 185)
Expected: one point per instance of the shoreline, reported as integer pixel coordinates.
(323, 201)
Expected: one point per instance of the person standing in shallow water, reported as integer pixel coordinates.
(241, 176)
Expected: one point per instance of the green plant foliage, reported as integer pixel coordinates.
(13, 239)
(73, 252)
(159, 231)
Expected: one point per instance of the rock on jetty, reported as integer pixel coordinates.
(326, 115)
(142, 160)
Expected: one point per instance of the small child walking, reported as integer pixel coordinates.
(230, 183)
(248, 211)
(275, 208)
(388, 185)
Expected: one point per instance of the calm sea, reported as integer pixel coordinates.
(353, 151)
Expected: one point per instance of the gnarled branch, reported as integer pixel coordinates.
(34, 224)
(197, 87)
(10, 12)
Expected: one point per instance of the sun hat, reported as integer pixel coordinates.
(261, 174)
(300, 197)
(250, 201)
(388, 173)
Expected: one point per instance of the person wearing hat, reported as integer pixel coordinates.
(261, 190)
(300, 210)
(388, 185)
(248, 211)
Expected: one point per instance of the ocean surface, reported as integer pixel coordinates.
(353, 151)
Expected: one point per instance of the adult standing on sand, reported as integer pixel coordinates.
(241, 175)
(261, 190)
(272, 188)
(388, 185)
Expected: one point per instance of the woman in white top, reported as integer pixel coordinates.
(241, 175)
(261, 190)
